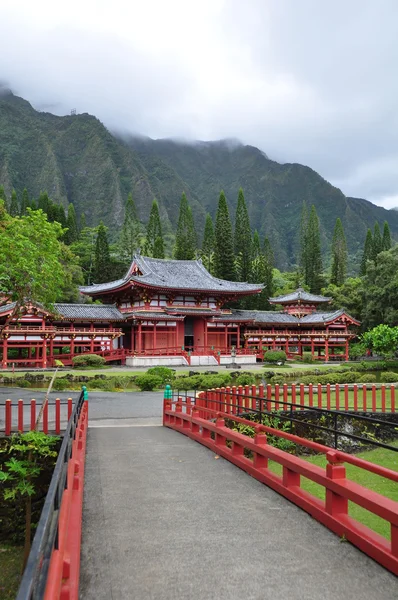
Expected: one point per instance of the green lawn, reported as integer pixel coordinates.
(10, 571)
(385, 487)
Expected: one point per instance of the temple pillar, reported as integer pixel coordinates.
(312, 347)
(346, 350)
(72, 346)
(238, 337)
(226, 337)
(92, 344)
(139, 341)
(205, 335)
(44, 356)
(326, 349)
(154, 336)
(51, 356)
(132, 347)
(5, 349)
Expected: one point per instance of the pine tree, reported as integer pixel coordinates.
(25, 204)
(154, 244)
(185, 245)
(257, 272)
(339, 255)
(33, 204)
(269, 274)
(82, 223)
(367, 252)
(313, 256)
(303, 257)
(242, 240)
(61, 216)
(208, 244)
(14, 205)
(224, 247)
(386, 241)
(377, 241)
(3, 197)
(102, 259)
(72, 234)
(43, 202)
(130, 235)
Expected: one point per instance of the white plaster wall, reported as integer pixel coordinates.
(246, 359)
(197, 361)
(154, 361)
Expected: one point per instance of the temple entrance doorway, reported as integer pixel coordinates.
(188, 334)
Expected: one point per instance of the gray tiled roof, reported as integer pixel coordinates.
(7, 307)
(299, 294)
(259, 316)
(151, 314)
(100, 312)
(175, 275)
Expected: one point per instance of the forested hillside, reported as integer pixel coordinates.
(77, 160)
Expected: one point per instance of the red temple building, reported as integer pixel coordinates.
(172, 312)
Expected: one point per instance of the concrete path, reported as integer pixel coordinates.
(164, 519)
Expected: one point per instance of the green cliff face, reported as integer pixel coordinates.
(76, 159)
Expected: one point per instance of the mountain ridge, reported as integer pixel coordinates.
(77, 159)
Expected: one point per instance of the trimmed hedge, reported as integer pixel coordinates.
(389, 377)
(274, 356)
(147, 383)
(88, 360)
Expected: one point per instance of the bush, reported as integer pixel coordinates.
(277, 379)
(389, 377)
(165, 374)
(307, 358)
(61, 384)
(275, 356)
(245, 379)
(369, 378)
(88, 360)
(147, 383)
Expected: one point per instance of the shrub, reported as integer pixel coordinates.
(165, 374)
(307, 358)
(389, 377)
(61, 384)
(275, 356)
(277, 379)
(369, 378)
(147, 383)
(88, 360)
(245, 379)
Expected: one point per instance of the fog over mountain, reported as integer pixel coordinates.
(307, 82)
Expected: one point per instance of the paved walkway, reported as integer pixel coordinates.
(164, 519)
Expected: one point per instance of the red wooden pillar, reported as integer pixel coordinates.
(139, 341)
(44, 357)
(326, 349)
(226, 337)
(51, 356)
(154, 336)
(205, 335)
(346, 350)
(5, 350)
(238, 337)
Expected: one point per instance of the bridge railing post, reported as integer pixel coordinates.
(335, 469)
(167, 398)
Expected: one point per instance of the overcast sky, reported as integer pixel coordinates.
(308, 81)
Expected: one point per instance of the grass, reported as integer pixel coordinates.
(10, 570)
(381, 485)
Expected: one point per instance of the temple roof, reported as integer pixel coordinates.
(275, 317)
(174, 275)
(299, 295)
(89, 312)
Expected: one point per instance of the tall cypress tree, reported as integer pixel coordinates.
(61, 216)
(208, 244)
(257, 272)
(185, 245)
(367, 252)
(377, 241)
(313, 273)
(102, 259)
(130, 235)
(82, 222)
(339, 255)
(14, 204)
(224, 245)
(269, 273)
(242, 240)
(43, 202)
(386, 240)
(3, 197)
(154, 244)
(72, 234)
(303, 257)
(25, 204)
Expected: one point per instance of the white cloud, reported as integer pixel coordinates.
(306, 81)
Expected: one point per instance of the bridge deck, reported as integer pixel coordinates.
(164, 519)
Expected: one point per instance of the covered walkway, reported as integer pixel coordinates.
(164, 518)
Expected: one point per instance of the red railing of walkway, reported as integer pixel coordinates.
(339, 489)
(20, 416)
(348, 397)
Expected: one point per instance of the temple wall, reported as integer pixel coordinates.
(153, 361)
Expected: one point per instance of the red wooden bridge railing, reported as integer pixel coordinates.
(339, 489)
